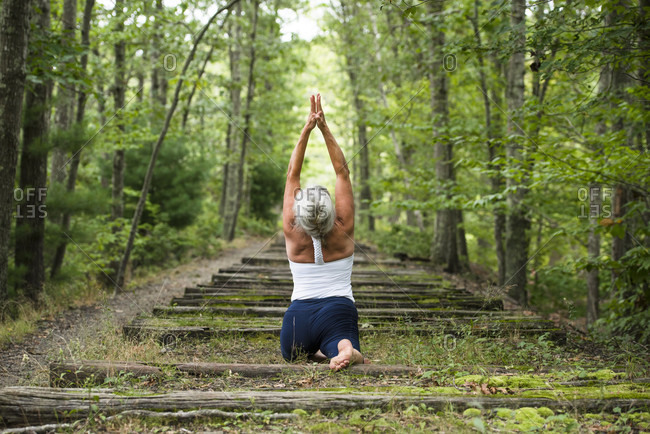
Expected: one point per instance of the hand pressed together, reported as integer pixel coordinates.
(316, 115)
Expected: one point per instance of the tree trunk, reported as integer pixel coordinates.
(593, 250)
(353, 68)
(247, 112)
(188, 105)
(644, 73)
(462, 240)
(14, 34)
(517, 223)
(224, 175)
(622, 195)
(444, 248)
(233, 176)
(161, 67)
(30, 222)
(59, 255)
(595, 201)
(101, 108)
(493, 143)
(365, 196)
(495, 149)
(65, 97)
(156, 149)
(119, 90)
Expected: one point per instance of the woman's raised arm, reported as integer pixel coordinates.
(295, 167)
(343, 188)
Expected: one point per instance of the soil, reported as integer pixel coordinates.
(19, 362)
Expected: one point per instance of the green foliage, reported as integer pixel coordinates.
(159, 244)
(255, 226)
(267, 188)
(177, 184)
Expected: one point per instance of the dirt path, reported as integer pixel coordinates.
(20, 362)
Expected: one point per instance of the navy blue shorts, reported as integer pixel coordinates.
(318, 324)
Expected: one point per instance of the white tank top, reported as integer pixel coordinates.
(322, 279)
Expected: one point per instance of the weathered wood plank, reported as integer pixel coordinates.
(358, 260)
(30, 405)
(216, 314)
(96, 371)
(171, 334)
(273, 271)
(360, 302)
(223, 279)
(262, 289)
(285, 294)
(368, 312)
(283, 284)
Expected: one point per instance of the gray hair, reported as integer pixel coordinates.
(314, 211)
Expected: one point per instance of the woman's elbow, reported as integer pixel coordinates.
(343, 172)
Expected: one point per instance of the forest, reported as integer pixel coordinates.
(506, 140)
(497, 152)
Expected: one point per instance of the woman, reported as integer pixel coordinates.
(322, 318)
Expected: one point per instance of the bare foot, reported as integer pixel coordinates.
(347, 356)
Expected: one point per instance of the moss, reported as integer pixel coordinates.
(511, 381)
(328, 427)
(545, 412)
(472, 412)
(505, 413)
(618, 391)
(605, 374)
(528, 418)
(246, 297)
(429, 300)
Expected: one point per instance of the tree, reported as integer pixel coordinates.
(119, 90)
(66, 89)
(517, 222)
(494, 148)
(14, 34)
(247, 109)
(30, 224)
(233, 167)
(444, 248)
(159, 82)
(349, 11)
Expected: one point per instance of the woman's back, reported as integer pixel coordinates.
(337, 245)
